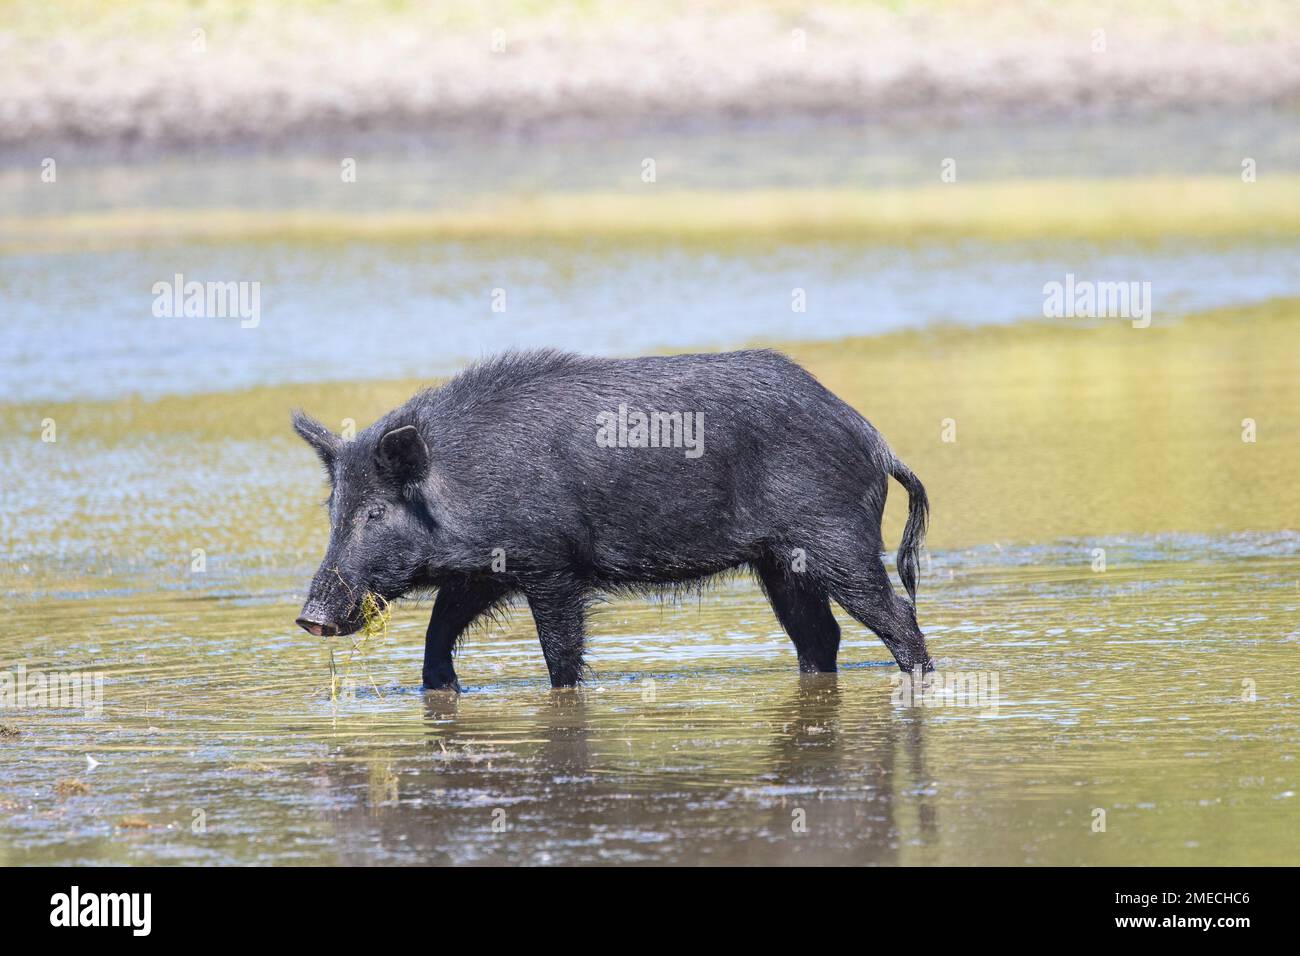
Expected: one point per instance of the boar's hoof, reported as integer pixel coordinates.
(441, 679)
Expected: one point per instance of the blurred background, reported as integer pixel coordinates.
(634, 176)
(881, 189)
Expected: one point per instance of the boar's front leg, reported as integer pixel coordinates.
(455, 608)
(559, 609)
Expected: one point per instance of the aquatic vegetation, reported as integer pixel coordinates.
(376, 615)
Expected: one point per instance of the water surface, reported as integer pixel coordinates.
(1161, 692)
(1145, 674)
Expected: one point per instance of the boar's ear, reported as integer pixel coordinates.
(325, 443)
(402, 455)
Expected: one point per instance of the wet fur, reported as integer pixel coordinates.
(505, 456)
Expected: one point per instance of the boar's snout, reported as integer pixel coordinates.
(314, 619)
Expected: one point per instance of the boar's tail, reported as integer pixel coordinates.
(918, 517)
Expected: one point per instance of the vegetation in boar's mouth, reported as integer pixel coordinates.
(376, 614)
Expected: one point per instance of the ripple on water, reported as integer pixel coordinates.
(692, 743)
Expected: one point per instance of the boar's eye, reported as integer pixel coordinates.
(376, 513)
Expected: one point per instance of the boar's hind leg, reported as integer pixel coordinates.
(804, 610)
(455, 608)
(862, 588)
(560, 613)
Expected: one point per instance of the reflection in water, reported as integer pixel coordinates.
(439, 708)
(1130, 703)
(864, 783)
(830, 784)
(564, 730)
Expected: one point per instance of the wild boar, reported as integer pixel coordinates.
(556, 477)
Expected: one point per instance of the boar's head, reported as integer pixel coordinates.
(378, 521)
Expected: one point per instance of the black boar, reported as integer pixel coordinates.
(555, 476)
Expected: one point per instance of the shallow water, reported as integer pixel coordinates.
(1160, 691)
(415, 171)
(78, 322)
(1105, 544)
(80, 325)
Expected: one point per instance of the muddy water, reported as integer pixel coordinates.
(1105, 546)
(1161, 692)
